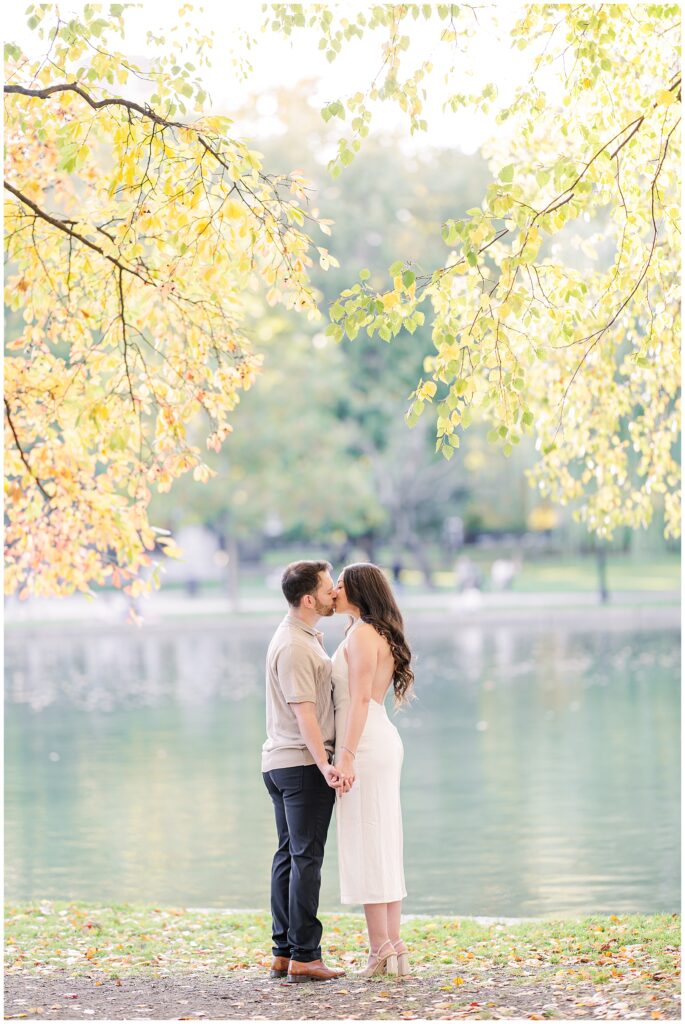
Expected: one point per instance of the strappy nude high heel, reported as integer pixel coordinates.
(402, 960)
(380, 963)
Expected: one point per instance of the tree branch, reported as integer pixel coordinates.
(22, 453)
(118, 101)
(64, 226)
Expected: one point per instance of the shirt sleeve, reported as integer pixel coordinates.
(297, 672)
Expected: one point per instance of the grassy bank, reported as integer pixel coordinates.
(126, 939)
(573, 574)
(114, 962)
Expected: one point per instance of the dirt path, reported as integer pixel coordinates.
(250, 994)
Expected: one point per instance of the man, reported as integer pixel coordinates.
(297, 770)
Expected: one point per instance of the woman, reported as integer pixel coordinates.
(368, 755)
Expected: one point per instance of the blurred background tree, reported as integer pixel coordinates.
(321, 454)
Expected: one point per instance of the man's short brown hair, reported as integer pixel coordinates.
(300, 578)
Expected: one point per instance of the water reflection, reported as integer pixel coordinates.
(541, 770)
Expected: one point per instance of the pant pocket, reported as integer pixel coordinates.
(288, 780)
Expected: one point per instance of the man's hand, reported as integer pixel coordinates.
(331, 775)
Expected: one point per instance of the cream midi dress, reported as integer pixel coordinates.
(369, 817)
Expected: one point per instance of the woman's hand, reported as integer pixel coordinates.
(345, 766)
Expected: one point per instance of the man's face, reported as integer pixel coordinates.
(324, 595)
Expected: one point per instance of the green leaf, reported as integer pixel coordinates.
(507, 174)
(408, 278)
(364, 274)
(395, 268)
(335, 332)
(471, 259)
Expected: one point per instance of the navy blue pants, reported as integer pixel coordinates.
(303, 802)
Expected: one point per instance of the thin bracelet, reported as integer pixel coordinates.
(349, 751)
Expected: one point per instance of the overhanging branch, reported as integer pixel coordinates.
(22, 453)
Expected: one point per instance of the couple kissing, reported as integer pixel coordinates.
(330, 742)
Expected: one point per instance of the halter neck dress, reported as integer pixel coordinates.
(369, 817)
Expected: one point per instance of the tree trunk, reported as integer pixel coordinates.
(602, 574)
(406, 538)
(419, 549)
(233, 552)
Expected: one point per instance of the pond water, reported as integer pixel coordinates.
(541, 772)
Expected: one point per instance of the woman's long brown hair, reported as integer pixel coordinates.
(367, 588)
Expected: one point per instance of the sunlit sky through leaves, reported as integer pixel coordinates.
(279, 62)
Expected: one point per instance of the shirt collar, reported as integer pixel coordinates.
(294, 620)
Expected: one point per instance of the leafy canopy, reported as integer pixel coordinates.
(136, 227)
(540, 324)
(131, 239)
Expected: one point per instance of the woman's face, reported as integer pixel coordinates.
(341, 602)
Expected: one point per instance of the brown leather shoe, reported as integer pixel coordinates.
(315, 970)
(279, 967)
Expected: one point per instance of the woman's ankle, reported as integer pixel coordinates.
(383, 949)
(400, 945)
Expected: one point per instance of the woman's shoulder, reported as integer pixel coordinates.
(365, 634)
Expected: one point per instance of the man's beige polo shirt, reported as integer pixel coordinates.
(297, 670)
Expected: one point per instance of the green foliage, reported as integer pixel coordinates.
(331, 459)
(292, 465)
(586, 359)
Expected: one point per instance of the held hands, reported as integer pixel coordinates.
(337, 777)
(345, 768)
